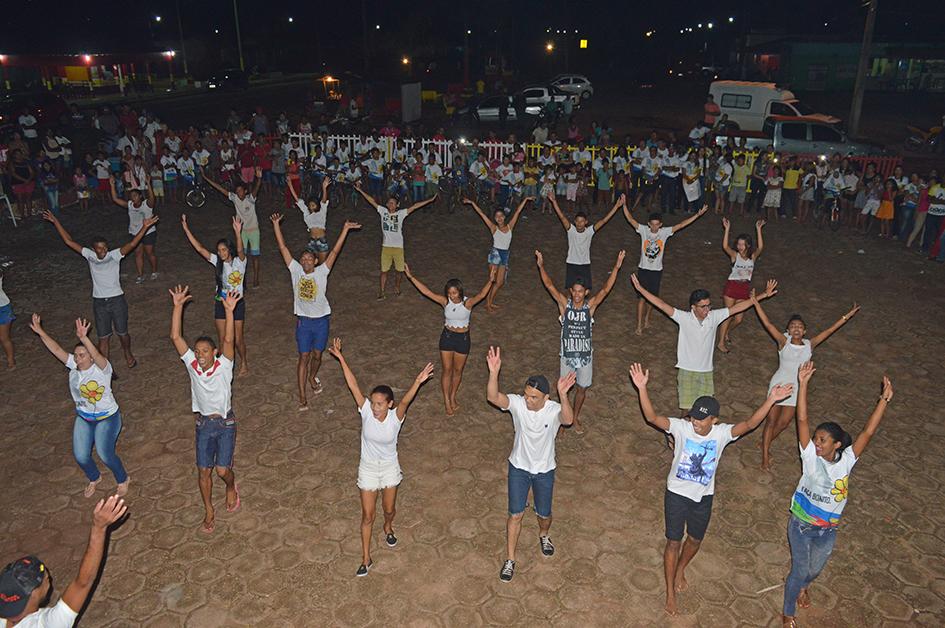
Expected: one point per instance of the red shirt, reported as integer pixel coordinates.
(263, 159)
(246, 155)
(711, 111)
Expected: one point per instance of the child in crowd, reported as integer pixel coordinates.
(773, 183)
(886, 211)
(81, 184)
(157, 184)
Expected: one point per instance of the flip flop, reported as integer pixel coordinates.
(238, 503)
(316, 385)
(208, 529)
(90, 489)
(133, 364)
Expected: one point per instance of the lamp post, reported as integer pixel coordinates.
(180, 34)
(239, 42)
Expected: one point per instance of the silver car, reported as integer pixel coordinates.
(487, 110)
(576, 84)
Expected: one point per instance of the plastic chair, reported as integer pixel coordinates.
(6, 199)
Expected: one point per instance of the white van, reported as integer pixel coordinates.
(748, 104)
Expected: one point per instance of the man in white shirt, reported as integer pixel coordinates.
(27, 122)
(670, 166)
(211, 380)
(311, 307)
(108, 299)
(580, 235)
(26, 582)
(531, 464)
(695, 344)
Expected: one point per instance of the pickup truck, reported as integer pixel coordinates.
(800, 134)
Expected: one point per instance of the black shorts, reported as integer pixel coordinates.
(650, 280)
(149, 239)
(111, 314)
(683, 514)
(573, 271)
(454, 341)
(239, 313)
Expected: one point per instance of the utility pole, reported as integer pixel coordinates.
(364, 39)
(180, 32)
(239, 42)
(859, 88)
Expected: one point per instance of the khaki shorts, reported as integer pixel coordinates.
(392, 256)
(691, 385)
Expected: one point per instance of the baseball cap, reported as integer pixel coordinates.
(539, 382)
(18, 580)
(704, 406)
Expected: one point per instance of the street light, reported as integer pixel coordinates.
(468, 32)
(549, 47)
(710, 24)
(377, 27)
(157, 18)
(731, 19)
(291, 19)
(405, 60)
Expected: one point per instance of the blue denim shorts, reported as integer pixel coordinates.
(542, 486)
(6, 314)
(215, 441)
(498, 257)
(311, 334)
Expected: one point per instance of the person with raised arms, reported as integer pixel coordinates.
(580, 235)
(738, 287)
(211, 381)
(140, 209)
(690, 486)
(315, 214)
(109, 307)
(454, 339)
(312, 311)
(501, 242)
(244, 202)
(229, 264)
(576, 315)
(531, 464)
(379, 468)
(653, 238)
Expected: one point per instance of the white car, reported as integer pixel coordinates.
(574, 84)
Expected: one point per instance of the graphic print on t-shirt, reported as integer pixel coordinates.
(698, 461)
(390, 222)
(235, 278)
(652, 248)
(92, 392)
(308, 289)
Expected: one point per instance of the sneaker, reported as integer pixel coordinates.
(391, 539)
(547, 547)
(154, 276)
(364, 569)
(139, 280)
(507, 571)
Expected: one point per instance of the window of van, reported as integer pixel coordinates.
(736, 101)
(781, 109)
(794, 131)
(822, 133)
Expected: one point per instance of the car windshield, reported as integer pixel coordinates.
(803, 109)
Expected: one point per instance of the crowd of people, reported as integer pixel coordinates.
(144, 164)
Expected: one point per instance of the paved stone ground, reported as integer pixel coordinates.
(288, 558)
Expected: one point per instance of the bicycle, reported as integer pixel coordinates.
(195, 196)
(829, 211)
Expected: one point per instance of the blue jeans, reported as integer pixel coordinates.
(103, 435)
(810, 549)
(215, 441)
(542, 486)
(669, 193)
(906, 213)
(932, 225)
(419, 190)
(52, 198)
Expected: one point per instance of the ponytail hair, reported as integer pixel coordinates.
(219, 267)
(838, 434)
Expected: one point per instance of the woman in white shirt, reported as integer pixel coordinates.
(379, 468)
(229, 263)
(501, 241)
(140, 209)
(738, 287)
(97, 418)
(454, 340)
(6, 324)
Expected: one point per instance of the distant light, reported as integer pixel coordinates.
(3, 58)
(377, 27)
(87, 58)
(583, 43)
(670, 72)
(549, 46)
(649, 33)
(700, 25)
(575, 31)
(216, 31)
(462, 140)
(823, 158)
(468, 32)
(547, 30)
(169, 53)
(328, 78)
(291, 19)
(731, 19)
(405, 60)
(825, 24)
(157, 18)
(558, 32)
(681, 31)
(710, 25)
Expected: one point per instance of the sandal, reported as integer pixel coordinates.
(238, 503)
(90, 489)
(316, 386)
(122, 489)
(208, 528)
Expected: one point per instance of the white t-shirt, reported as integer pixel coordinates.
(105, 273)
(821, 492)
(533, 449)
(91, 390)
(4, 299)
(102, 168)
(202, 157)
(375, 167)
(379, 438)
(742, 269)
(28, 122)
(186, 166)
(210, 390)
(169, 163)
(652, 246)
(173, 143)
(392, 227)
(309, 290)
(58, 616)
(234, 272)
(314, 220)
(696, 458)
(432, 172)
(246, 210)
(723, 174)
(137, 216)
(668, 162)
(696, 343)
(579, 245)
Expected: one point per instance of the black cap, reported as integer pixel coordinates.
(704, 406)
(17, 582)
(538, 382)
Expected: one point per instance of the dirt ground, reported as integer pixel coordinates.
(289, 556)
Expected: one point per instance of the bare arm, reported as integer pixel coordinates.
(326, 181)
(238, 232)
(779, 392)
(564, 385)
(496, 398)
(82, 333)
(295, 195)
(725, 237)
(482, 294)
(761, 241)
(843, 320)
(556, 294)
(216, 186)
(654, 300)
(773, 331)
(54, 347)
(518, 210)
(564, 221)
(367, 197)
(280, 241)
(408, 397)
(421, 204)
(628, 213)
(147, 182)
(640, 378)
(135, 241)
(179, 295)
(613, 210)
(229, 305)
(340, 242)
(859, 445)
(352, 382)
(194, 242)
(107, 511)
(72, 244)
(422, 287)
(688, 221)
(803, 427)
(479, 211)
(598, 298)
(258, 174)
(115, 199)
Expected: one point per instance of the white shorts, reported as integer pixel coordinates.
(376, 475)
(585, 374)
(871, 207)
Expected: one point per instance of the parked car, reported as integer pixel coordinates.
(748, 104)
(49, 110)
(576, 84)
(487, 109)
(802, 135)
(538, 96)
(232, 78)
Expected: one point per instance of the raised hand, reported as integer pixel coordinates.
(852, 312)
(259, 172)
(467, 201)
(151, 221)
(36, 323)
(180, 294)
(82, 328)
(781, 391)
(335, 348)
(275, 218)
(325, 183)
(183, 220)
(887, 389)
(48, 216)
(494, 359)
(424, 374)
(638, 376)
(725, 223)
(350, 224)
(635, 281)
(622, 254)
(771, 288)
(761, 223)
(237, 225)
(704, 209)
(565, 383)
(805, 372)
(539, 258)
(108, 511)
(232, 298)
